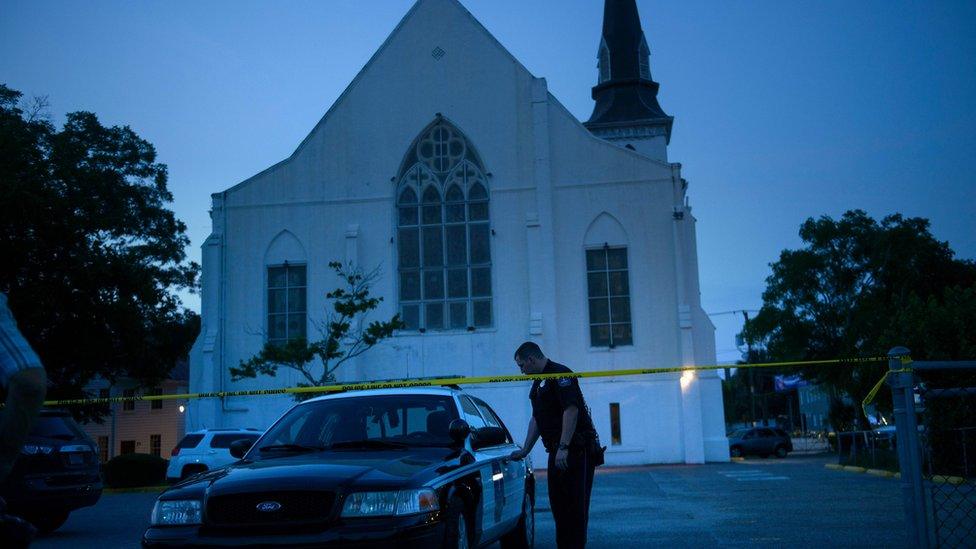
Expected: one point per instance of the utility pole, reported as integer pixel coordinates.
(752, 373)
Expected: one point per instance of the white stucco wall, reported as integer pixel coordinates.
(550, 181)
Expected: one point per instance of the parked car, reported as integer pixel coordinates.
(420, 467)
(56, 473)
(760, 441)
(204, 450)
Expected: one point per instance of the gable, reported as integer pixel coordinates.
(365, 133)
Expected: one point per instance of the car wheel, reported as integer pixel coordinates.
(47, 521)
(781, 452)
(735, 452)
(457, 535)
(523, 536)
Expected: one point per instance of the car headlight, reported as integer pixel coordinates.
(404, 502)
(35, 449)
(177, 512)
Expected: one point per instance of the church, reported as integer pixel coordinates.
(493, 216)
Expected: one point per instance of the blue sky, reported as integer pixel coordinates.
(783, 110)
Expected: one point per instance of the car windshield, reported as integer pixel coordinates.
(367, 422)
(59, 427)
(739, 434)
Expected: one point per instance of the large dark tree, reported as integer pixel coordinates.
(91, 256)
(859, 287)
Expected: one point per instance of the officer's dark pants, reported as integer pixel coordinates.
(569, 497)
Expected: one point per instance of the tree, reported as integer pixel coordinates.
(346, 334)
(91, 255)
(859, 287)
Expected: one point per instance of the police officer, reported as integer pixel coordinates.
(561, 417)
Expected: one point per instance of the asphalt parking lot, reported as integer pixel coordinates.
(757, 502)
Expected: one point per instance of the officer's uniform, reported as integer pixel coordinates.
(569, 490)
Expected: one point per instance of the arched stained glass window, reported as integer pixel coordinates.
(443, 239)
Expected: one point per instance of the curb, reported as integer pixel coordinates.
(880, 473)
(943, 479)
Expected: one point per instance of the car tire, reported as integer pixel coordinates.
(47, 521)
(457, 525)
(781, 452)
(523, 536)
(735, 452)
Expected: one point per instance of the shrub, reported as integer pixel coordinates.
(129, 470)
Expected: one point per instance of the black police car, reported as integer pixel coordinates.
(425, 467)
(56, 473)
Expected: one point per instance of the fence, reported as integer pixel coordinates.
(869, 449)
(935, 417)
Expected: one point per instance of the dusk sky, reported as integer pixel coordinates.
(783, 110)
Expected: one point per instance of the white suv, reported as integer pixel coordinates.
(205, 450)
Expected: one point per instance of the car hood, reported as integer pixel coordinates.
(325, 471)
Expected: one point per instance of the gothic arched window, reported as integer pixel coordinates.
(644, 55)
(603, 62)
(443, 244)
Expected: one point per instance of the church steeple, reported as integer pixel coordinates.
(626, 98)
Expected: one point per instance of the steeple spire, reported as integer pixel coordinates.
(626, 97)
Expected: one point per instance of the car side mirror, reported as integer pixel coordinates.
(458, 430)
(488, 436)
(240, 447)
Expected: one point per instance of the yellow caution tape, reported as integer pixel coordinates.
(434, 382)
(877, 386)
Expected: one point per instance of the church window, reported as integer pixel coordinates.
(286, 302)
(644, 56)
(615, 438)
(443, 234)
(608, 291)
(603, 62)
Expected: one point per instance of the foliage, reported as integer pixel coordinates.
(130, 470)
(345, 334)
(91, 255)
(858, 288)
(770, 405)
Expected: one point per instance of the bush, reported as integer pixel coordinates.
(130, 470)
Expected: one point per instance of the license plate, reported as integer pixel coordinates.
(76, 459)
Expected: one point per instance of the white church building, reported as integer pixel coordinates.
(495, 217)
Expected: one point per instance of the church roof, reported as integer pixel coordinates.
(625, 94)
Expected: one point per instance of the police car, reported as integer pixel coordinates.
(421, 467)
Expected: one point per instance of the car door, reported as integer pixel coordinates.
(513, 471)
(767, 438)
(751, 442)
(492, 521)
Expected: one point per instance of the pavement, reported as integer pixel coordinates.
(755, 502)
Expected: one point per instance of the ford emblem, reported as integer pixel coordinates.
(268, 506)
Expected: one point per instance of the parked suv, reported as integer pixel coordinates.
(761, 441)
(56, 473)
(204, 450)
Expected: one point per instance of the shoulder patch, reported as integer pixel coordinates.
(565, 381)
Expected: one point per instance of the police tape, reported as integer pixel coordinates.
(906, 362)
(444, 381)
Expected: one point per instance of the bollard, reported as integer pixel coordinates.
(909, 450)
